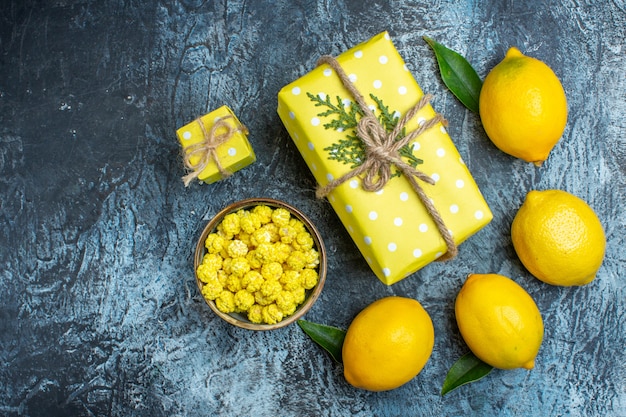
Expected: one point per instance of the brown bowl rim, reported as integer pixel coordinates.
(312, 294)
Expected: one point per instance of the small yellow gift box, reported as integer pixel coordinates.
(215, 146)
(397, 231)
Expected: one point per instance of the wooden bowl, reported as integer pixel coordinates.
(239, 319)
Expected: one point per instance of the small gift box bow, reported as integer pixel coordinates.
(381, 152)
(207, 149)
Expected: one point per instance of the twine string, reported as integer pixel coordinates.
(207, 149)
(382, 151)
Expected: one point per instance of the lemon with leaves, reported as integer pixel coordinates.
(523, 107)
(558, 238)
(387, 344)
(499, 321)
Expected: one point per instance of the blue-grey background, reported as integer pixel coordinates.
(99, 311)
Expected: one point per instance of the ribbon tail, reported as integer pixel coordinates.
(322, 192)
(190, 177)
(452, 249)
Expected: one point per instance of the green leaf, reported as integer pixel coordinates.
(328, 337)
(467, 369)
(458, 75)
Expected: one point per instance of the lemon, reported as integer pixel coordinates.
(387, 344)
(558, 238)
(499, 321)
(523, 107)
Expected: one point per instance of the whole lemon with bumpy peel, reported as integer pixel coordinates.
(523, 107)
(558, 238)
(387, 344)
(499, 321)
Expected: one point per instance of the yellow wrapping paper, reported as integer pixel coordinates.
(391, 227)
(234, 155)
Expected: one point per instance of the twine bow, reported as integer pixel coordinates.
(207, 149)
(382, 151)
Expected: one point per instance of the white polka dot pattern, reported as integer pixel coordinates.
(391, 228)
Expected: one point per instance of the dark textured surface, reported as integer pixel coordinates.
(99, 310)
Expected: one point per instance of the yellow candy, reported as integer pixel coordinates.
(252, 265)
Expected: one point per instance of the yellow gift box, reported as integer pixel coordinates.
(217, 137)
(391, 227)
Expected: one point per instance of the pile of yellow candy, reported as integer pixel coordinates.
(259, 262)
